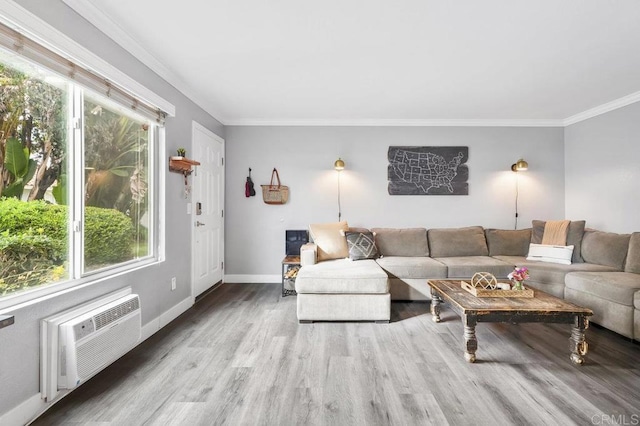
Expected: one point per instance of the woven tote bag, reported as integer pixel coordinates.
(275, 194)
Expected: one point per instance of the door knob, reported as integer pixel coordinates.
(198, 223)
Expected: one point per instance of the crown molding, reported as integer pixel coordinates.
(603, 109)
(398, 123)
(23, 21)
(115, 32)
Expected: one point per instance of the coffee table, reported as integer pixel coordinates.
(541, 308)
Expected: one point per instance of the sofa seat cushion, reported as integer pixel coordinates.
(636, 300)
(549, 277)
(552, 272)
(466, 266)
(413, 267)
(343, 276)
(617, 287)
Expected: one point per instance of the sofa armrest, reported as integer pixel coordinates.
(308, 254)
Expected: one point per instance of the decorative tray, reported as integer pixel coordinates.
(481, 292)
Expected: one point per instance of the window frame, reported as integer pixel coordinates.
(38, 30)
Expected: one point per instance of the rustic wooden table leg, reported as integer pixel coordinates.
(470, 341)
(577, 342)
(436, 301)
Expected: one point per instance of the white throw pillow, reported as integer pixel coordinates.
(551, 254)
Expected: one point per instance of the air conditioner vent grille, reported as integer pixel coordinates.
(105, 318)
(94, 354)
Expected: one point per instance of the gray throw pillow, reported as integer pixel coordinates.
(361, 245)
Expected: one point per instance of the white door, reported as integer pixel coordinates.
(207, 211)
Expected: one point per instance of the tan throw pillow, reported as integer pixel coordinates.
(331, 244)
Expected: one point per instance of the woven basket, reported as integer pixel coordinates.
(275, 194)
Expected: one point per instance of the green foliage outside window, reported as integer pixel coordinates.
(29, 260)
(33, 241)
(32, 133)
(22, 217)
(108, 237)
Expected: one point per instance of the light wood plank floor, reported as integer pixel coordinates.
(239, 356)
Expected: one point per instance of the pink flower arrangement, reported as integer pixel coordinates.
(519, 274)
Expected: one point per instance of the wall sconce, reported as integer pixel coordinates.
(518, 166)
(339, 166)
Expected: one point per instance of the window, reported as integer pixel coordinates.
(76, 179)
(116, 192)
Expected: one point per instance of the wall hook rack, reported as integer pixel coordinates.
(182, 165)
(185, 166)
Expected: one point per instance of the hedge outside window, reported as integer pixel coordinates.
(56, 140)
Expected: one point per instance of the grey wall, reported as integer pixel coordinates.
(602, 170)
(304, 157)
(19, 343)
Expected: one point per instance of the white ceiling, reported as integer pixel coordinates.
(544, 62)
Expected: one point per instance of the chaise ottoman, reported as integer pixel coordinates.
(343, 290)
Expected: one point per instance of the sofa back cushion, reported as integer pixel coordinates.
(454, 242)
(331, 242)
(406, 242)
(605, 248)
(508, 242)
(633, 255)
(574, 236)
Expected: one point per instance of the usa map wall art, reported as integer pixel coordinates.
(428, 170)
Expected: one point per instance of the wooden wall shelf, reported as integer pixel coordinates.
(182, 165)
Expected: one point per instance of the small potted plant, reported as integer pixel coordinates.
(182, 152)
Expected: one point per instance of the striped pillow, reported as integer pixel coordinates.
(551, 254)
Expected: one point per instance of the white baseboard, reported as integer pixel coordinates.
(252, 279)
(176, 311)
(150, 328)
(25, 412)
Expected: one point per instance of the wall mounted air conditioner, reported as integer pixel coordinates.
(79, 343)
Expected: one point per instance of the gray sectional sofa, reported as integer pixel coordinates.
(604, 274)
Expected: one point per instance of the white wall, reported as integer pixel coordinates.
(602, 170)
(304, 157)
